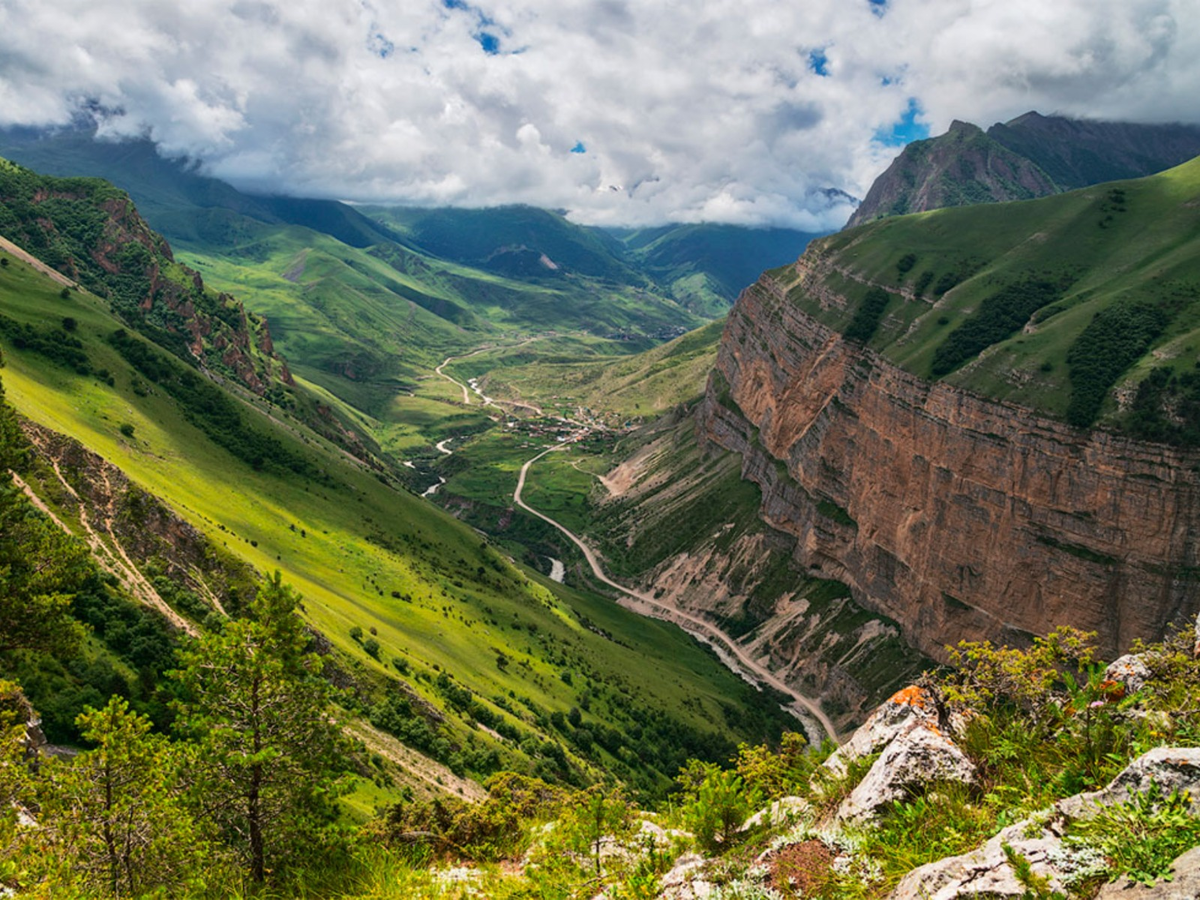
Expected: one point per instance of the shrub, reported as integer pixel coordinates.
(868, 315)
(718, 806)
(998, 316)
(1115, 339)
(1142, 836)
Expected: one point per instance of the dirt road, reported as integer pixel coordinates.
(691, 624)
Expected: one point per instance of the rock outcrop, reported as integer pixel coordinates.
(1038, 840)
(956, 516)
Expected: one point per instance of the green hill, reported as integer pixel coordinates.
(368, 558)
(1068, 304)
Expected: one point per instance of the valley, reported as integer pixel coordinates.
(562, 516)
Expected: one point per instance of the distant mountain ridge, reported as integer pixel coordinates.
(1030, 156)
(702, 266)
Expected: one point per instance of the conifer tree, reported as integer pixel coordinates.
(269, 750)
(117, 809)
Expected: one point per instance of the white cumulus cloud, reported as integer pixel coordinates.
(622, 112)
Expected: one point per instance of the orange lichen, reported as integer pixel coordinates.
(913, 696)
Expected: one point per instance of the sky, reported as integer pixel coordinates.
(622, 112)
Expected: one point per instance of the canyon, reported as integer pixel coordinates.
(957, 516)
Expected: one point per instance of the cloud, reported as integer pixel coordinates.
(687, 110)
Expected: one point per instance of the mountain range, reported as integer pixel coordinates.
(977, 421)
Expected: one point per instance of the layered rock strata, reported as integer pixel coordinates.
(955, 515)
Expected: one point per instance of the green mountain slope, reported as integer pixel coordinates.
(368, 557)
(519, 241)
(1064, 304)
(706, 266)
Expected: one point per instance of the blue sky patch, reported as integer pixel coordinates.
(489, 42)
(579, 148)
(906, 129)
(879, 7)
(819, 62)
(380, 45)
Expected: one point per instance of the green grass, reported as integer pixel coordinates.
(1124, 242)
(356, 541)
(617, 388)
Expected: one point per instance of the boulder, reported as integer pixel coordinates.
(987, 871)
(1171, 768)
(1129, 670)
(917, 756)
(893, 716)
(1184, 883)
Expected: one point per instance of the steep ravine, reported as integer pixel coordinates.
(956, 516)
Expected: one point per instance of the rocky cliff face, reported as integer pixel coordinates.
(91, 233)
(956, 516)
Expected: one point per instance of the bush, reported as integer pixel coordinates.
(998, 317)
(1115, 339)
(717, 806)
(868, 315)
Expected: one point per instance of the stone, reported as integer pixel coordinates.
(987, 872)
(1184, 883)
(893, 716)
(1129, 670)
(685, 880)
(920, 755)
(1171, 768)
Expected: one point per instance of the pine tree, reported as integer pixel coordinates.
(269, 750)
(117, 809)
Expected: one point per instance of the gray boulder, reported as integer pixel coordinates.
(1171, 768)
(987, 871)
(919, 755)
(1130, 670)
(1184, 883)
(894, 716)
(686, 881)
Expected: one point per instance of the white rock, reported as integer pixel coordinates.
(918, 756)
(684, 881)
(987, 872)
(893, 716)
(1171, 768)
(981, 873)
(1130, 670)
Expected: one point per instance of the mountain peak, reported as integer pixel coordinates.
(1030, 156)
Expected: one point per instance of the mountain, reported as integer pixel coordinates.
(189, 208)
(917, 398)
(91, 233)
(1031, 156)
(516, 241)
(188, 486)
(706, 266)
